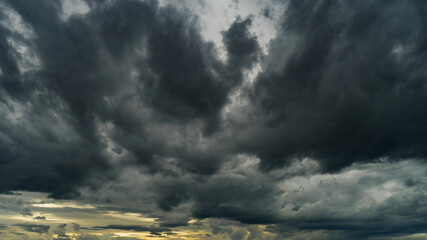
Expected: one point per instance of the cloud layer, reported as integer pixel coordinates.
(322, 130)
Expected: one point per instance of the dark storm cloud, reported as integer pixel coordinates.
(191, 83)
(241, 45)
(236, 198)
(34, 227)
(344, 82)
(11, 81)
(41, 156)
(40, 218)
(100, 68)
(133, 83)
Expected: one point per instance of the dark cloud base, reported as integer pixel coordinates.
(352, 87)
(86, 60)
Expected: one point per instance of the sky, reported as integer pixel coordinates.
(203, 119)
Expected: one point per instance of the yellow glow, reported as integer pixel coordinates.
(54, 214)
(62, 205)
(17, 217)
(129, 234)
(130, 217)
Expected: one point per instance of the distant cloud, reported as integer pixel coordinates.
(152, 230)
(34, 227)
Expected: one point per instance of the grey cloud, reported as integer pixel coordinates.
(87, 237)
(174, 220)
(220, 226)
(286, 233)
(16, 205)
(235, 230)
(131, 94)
(76, 226)
(362, 201)
(240, 43)
(132, 64)
(266, 12)
(39, 218)
(238, 234)
(60, 230)
(34, 228)
(344, 82)
(254, 233)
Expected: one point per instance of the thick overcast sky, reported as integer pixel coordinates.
(213, 119)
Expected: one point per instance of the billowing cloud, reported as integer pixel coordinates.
(343, 82)
(143, 110)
